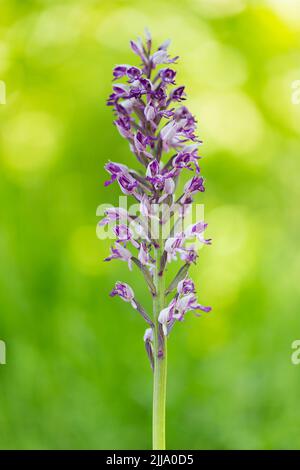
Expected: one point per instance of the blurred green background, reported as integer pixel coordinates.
(76, 373)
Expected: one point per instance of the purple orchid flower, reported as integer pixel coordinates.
(161, 182)
(119, 252)
(167, 75)
(148, 339)
(133, 73)
(119, 172)
(184, 304)
(144, 256)
(115, 169)
(146, 208)
(137, 47)
(180, 305)
(189, 255)
(162, 57)
(196, 230)
(170, 134)
(194, 185)
(113, 214)
(177, 94)
(150, 112)
(124, 235)
(123, 125)
(124, 291)
(127, 183)
(173, 245)
(152, 169)
(119, 71)
(167, 314)
(185, 158)
(186, 286)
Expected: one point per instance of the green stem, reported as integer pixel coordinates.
(160, 363)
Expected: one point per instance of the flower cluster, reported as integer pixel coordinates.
(149, 114)
(184, 301)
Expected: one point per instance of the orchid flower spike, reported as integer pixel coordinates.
(149, 115)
